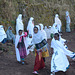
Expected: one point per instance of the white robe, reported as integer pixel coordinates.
(54, 29)
(2, 33)
(58, 22)
(17, 51)
(30, 26)
(38, 37)
(59, 61)
(47, 32)
(43, 31)
(16, 43)
(19, 24)
(28, 42)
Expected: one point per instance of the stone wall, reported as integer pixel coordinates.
(42, 10)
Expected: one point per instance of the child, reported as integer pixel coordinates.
(21, 46)
(37, 39)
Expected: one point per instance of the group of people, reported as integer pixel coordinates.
(35, 39)
(57, 26)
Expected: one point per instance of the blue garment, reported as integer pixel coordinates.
(4, 40)
(68, 24)
(10, 35)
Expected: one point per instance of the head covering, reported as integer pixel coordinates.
(37, 39)
(41, 26)
(19, 17)
(19, 24)
(45, 27)
(2, 33)
(56, 15)
(30, 26)
(49, 26)
(37, 26)
(67, 13)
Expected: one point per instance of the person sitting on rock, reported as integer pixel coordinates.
(10, 35)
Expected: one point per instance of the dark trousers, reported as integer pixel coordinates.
(44, 59)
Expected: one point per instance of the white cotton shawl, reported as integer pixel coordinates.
(43, 32)
(59, 56)
(38, 37)
(19, 24)
(59, 46)
(54, 29)
(58, 22)
(67, 13)
(2, 33)
(17, 51)
(30, 26)
(16, 43)
(68, 20)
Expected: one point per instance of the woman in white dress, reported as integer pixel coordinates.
(19, 24)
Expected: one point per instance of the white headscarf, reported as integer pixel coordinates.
(37, 37)
(2, 33)
(43, 31)
(19, 23)
(30, 26)
(67, 13)
(45, 27)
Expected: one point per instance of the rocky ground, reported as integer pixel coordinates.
(9, 65)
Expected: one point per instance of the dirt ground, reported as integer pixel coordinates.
(9, 65)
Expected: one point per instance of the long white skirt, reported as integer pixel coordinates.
(18, 55)
(59, 62)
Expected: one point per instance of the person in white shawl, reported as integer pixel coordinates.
(30, 26)
(58, 22)
(47, 32)
(43, 31)
(19, 24)
(53, 30)
(17, 50)
(3, 35)
(37, 38)
(59, 61)
(68, 21)
(45, 53)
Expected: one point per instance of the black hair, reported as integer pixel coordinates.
(56, 34)
(36, 27)
(20, 31)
